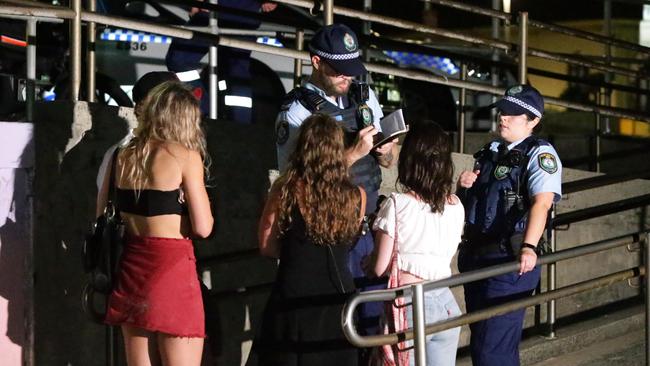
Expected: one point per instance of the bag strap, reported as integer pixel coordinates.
(112, 187)
(398, 354)
(394, 262)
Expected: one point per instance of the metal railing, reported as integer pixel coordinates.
(35, 11)
(420, 330)
(29, 8)
(602, 180)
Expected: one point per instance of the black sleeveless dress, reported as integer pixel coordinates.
(302, 320)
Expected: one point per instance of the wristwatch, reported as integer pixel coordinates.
(530, 246)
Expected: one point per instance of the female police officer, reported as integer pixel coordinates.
(516, 180)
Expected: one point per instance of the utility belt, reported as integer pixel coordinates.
(483, 244)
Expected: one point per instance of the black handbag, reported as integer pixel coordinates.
(101, 251)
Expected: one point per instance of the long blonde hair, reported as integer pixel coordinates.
(316, 182)
(169, 113)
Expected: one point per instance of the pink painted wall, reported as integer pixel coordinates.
(16, 160)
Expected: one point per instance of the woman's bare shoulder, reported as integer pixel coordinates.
(174, 149)
(180, 154)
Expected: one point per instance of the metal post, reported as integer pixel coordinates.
(494, 78)
(297, 63)
(90, 55)
(328, 12)
(419, 334)
(607, 32)
(213, 65)
(367, 29)
(462, 100)
(110, 345)
(75, 51)
(647, 298)
(523, 45)
(367, 7)
(31, 68)
(551, 274)
(597, 137)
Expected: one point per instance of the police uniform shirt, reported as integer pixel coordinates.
(544, 169)
(289, 121)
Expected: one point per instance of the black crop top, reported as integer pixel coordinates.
(152, 202)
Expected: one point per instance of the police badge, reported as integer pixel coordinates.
(364, 116)
(515, 90)
(349, 42)
(282, 132)
(501, 171)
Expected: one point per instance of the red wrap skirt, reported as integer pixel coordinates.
(157, 288)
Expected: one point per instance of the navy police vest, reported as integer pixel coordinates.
(365, 172)
(497, 204)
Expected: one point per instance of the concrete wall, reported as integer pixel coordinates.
(68, 153)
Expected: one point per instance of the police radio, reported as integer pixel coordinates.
(359, 94)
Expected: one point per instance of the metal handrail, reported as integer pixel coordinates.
(507, 17)
(602, 180)
(576, 60)
(499, 45)
(347, 315)
(542, 25)
(601, 210)
(60, 13)
(238, 43)
(588, 36)
(473, 9)
(396, 44)
(581, 62)
(404, 24)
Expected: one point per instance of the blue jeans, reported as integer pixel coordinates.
(441, 347)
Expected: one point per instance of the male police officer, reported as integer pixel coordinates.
(331, 90)
(516, 180)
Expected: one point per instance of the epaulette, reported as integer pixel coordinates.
(479, 154)
(288, 99)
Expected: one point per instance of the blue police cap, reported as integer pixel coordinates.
(521, 99)
(337, 45)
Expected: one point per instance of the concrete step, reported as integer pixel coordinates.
(625, 350)
(616, 338)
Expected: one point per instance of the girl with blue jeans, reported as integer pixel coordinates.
(417, 232)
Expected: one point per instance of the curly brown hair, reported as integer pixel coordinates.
(425, 166)
(317, 183)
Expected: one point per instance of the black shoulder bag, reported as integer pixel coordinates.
(101, 251)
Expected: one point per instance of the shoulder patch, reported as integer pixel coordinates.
(282, 132)
(547, 162)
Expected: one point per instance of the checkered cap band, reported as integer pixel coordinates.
(524, 105)
(335, 56)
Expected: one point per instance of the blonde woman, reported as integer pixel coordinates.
(310, 222)
(163, 202)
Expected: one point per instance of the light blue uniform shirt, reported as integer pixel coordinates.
(540, 179)
(297, 113)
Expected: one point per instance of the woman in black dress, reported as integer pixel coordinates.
(309, 222)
